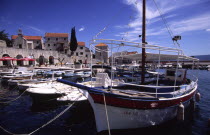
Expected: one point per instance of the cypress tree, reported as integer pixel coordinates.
(73, 41)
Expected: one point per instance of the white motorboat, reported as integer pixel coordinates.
(26, 81)
(7, 77)
(68, 74)
(22, 86)
(47, 92)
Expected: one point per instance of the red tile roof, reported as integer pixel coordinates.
(56, 34)
(81, 43)
(101, 44)
(28, 37)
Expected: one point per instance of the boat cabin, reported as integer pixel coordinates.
(172, 75)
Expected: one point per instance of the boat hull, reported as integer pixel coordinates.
(124, 118)
(127, 112)
(137, 117)
(38, 98)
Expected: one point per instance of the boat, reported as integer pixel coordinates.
(145, 103)
(23, 85)
(68, 74)
(208, 67)
(7, 77)
(53, 73)
(47, 92)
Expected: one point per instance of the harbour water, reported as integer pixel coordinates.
(21, 117)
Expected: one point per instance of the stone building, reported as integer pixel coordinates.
(56, 42)
(55, 47)
(101, 53)
(26, 42)
(82, 54)
(3, 43)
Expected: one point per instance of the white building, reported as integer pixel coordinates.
(56, 42)
(101, 53)
(26, 42)
(82, 54)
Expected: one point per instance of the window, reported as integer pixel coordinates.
(50, 49)
(54, 44)
(56, 39)
(48, 45)
(48, 38)
(81, 47)
(37, 42)
(86, 55)
(20, 45)
(66, 51)
(77, 54)
(81, 53)
(64, 38)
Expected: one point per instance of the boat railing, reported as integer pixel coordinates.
(152, 93)
(152, 86)
(183, 90)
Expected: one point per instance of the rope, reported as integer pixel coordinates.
(113, 17)
(7, 91)
(129, 26)
(57, 116)
(165, 22)
(53, 119)
(107, 117)
(13, 99)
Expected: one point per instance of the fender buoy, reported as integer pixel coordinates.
(197, 97)
(180, 112)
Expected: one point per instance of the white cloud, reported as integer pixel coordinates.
(82, 28)
(199, 22)
(208, 30)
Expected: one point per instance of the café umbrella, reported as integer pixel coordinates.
(7, 58)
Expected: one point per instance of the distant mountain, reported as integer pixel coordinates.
(202, 57)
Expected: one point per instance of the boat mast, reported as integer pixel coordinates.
(143, 40)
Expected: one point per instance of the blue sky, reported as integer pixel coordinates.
(190, 19)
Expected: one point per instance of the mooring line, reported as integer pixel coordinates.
(13, 99)
(56, 117)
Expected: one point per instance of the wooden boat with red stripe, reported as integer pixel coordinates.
(122, 109)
